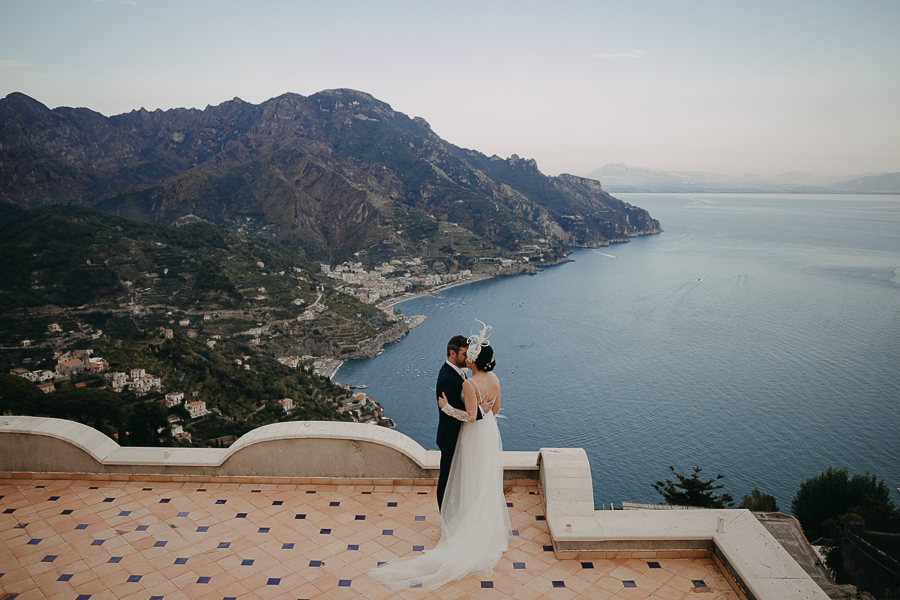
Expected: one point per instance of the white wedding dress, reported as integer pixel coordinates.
(475, 527)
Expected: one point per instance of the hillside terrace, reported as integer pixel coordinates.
(306, 509)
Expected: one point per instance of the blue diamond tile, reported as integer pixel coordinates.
(334, 504)
(83, 597)
(487, 584)
(360, 517)
(203, 528)
(310, 491)
(288, 546)
(353, 547)
(559, 584)
(203, 579)
(115, 559)
(165, 500)
(387, 532)
(247, 562)
(180, 561)
(548, 548)
(65, 577)
(540, 518)
(33, 542)
(325, 531)
(278, 503)
(94, 487)
(315, 563)
(68, 511)
(124, 513)
(392, 505)
(81, 526)
(518, 565)
(418, 548)
(698, 582)
(421, 493)
(21, 526)
(273, 581)
(48, 558)
(183, 514)
(201, 490)
(255, 491)
(420, 517)
(221, 501)
(142, 528)
(9, 511)
(156, 597)
(147, 489)
(264, 530)
(509, 505)
(344, 583)
(587, 565)
(160, 544)
(224, 545)
(241, 516)
(97, 542)
(629, 584)
(53, 498)
(109, 499)
(133, 579)
(303, 516)
(654, 565)
(369, 493)
(515, 532)
(381, 563)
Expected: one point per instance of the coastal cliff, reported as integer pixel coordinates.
(333, 175)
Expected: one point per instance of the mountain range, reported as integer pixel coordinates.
(624, 178)
(333, 175)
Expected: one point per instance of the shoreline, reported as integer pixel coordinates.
(432, 291)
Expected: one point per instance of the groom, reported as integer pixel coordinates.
(450, 382)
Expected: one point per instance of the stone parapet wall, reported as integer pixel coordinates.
(300, 449)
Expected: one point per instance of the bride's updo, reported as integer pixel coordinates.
(485, 361)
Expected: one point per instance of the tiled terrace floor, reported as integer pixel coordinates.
(71, 539)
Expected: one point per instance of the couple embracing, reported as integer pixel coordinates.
(475, 527)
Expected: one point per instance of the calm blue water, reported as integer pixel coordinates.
(758, 337)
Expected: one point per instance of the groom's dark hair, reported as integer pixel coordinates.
(457, 342)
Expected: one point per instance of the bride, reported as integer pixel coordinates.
(475, 527)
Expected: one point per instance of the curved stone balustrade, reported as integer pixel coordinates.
(294, 449)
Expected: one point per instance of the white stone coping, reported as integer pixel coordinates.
(763, 565)
(108, 452)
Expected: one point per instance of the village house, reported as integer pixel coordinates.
(54, 328)
(192, 334)
(184, 322)
(69, 368)
(289, 361)
(47, 387)
(137, 373)
(197, 409)
(173, 399)
(116, 381)
(98, 365)
(26, 343)
(287, 404)
(20, 372)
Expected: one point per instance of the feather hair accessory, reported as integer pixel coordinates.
(477, 340)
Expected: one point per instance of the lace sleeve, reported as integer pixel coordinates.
(461, 415)
(468, 415)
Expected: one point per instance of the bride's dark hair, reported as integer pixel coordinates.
(485, 361)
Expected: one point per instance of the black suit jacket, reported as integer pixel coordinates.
(450, 383)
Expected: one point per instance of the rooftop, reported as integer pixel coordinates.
(81, 517)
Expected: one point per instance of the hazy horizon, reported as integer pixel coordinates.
(730, 89)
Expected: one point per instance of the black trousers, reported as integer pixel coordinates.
(446, 461)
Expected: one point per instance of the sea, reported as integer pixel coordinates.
(757, 337)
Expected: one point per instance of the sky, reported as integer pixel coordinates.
(724, 87)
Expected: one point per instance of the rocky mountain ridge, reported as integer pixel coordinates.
(331, 175)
